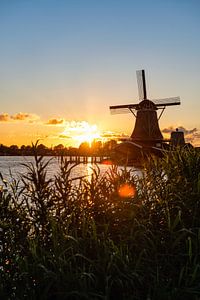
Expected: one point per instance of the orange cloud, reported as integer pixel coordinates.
(5, 117)
(180, 128)
(55, 122)
(24, 116)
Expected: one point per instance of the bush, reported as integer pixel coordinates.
(112, 236)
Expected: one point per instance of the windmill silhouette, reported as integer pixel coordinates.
(146, 134)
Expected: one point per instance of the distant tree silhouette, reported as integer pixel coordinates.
(96, 148)
(41, 149)
(14, 150)
(59, 147)
(84, 148)
(26, 150)
(3, 149)
(109, 145)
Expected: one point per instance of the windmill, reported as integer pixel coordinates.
(146, 133)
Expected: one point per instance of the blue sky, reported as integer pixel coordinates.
(72, 59)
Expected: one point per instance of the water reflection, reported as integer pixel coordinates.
(13, 166)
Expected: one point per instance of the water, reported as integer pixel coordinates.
(14, 165)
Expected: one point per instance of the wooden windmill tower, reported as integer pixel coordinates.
(146, 132)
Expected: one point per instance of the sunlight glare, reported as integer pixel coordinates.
(82, 132)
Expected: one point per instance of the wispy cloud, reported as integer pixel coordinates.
(114, 135)
(82, 130)
(5, 117)
(180, 128)
(78, 128)
(64, 136)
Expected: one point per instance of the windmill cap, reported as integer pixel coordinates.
(147, 104)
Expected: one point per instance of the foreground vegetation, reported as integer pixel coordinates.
(116, 236)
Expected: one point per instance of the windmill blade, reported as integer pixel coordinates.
(167, 101)
(141, 84)
(115, 111)
(122, 109)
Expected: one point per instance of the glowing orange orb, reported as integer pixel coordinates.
(126, 190)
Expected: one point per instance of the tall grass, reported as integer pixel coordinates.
(116, 236)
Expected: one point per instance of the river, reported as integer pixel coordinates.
(12, 166)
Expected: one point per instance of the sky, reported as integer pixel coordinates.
(64, 62)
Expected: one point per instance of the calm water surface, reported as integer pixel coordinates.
(14, 165)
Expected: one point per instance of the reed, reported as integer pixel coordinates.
(111, 236)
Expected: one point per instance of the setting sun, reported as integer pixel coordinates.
(81, 132)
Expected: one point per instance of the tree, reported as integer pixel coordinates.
(84, 148)
(110, 145)
(14, 150)
(96, 147)
(41, 149)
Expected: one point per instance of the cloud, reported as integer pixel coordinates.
(78, 127)
(187, 131)
(5, 117)
(63, 136)
(20, 116)
(180, 128)
(80, 130)
(114, 135)
(55, 122)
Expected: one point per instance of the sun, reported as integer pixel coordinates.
(81, 132)
(87, 135)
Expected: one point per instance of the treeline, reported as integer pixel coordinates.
(96, 148)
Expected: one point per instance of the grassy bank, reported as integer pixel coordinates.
(111, 237)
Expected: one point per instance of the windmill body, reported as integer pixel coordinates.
(146, 130)
(146, 136)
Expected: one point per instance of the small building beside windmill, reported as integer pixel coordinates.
(177, 138)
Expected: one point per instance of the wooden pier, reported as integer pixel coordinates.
(86, 159)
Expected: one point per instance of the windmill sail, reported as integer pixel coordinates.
(122, 109)
(141, 84)
(159, 103)
(167, 101)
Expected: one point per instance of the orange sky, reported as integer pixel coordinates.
(24, 128)
(51, 132)
(62, 66)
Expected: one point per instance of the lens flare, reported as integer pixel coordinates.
(107, 162)
(126, 190)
